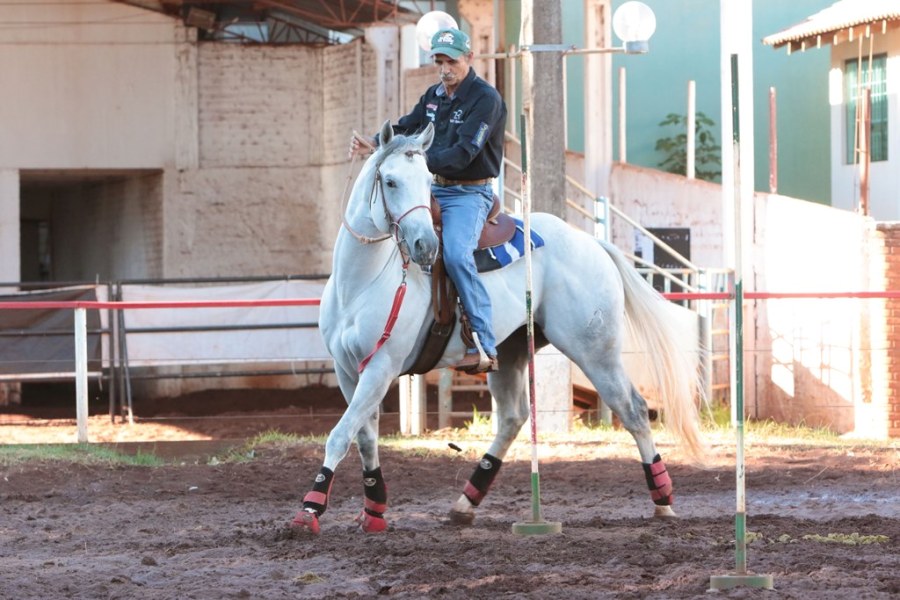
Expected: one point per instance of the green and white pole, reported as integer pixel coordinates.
(740, 577)
(537, 525)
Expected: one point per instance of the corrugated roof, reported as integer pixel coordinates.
(286, 20)
(837, 18)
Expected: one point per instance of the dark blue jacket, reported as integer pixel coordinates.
(468, 128)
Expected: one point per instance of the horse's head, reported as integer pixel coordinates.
(400, 203)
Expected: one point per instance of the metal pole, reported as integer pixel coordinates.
(537, 525)
(622, 125)
(740, 576)
(81, 387)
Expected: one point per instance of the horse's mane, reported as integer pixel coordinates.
(398, 143)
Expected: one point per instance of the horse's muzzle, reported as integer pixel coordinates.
(424, 250)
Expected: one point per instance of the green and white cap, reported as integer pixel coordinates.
(452, 42)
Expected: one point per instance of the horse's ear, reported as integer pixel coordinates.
(426, 137)
(387, 133)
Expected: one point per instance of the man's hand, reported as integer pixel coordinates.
(361, 145)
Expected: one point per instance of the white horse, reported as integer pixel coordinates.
(582, 291)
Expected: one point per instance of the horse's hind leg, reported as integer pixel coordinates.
(508, 388)
(623, 399)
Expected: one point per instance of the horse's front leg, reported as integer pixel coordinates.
(508, 386)
(371, 519)
(359, 421)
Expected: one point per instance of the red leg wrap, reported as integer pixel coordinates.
(659, 482)
(480, 482)
(317, 497)
(474, 495)
(371, 519)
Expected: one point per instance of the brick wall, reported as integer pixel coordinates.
(274, 125)
(259, 106)
(886, 245)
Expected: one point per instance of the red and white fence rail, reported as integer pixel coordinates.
(80, 308)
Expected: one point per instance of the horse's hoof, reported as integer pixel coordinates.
(461, 518)
(306, 520)
(664, 512)
(371, 524)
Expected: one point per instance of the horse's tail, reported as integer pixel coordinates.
(673, 368)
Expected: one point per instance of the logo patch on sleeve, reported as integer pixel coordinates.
(481, 135)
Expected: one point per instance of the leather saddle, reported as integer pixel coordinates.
(499, 228)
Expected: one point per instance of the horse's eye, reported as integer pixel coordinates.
(391, 183)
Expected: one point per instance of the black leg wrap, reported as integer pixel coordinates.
(376, 492)
(480, 482)
(317, 499)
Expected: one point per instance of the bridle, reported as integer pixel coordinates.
(378, 186)
(395, 232)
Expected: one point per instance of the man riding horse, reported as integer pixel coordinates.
(469, 118)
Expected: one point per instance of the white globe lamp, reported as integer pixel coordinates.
(634, 24)
(430, 24)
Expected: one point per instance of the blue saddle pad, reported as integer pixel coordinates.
(497, 257)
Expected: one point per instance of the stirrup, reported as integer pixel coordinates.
(484, 362)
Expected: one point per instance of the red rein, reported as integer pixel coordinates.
(392, 319)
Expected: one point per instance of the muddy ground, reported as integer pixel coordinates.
(203, 527)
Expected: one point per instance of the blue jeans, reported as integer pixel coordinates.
(464, 209)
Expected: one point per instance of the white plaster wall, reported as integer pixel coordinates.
(658, 199)
(884, 176)
(812, 361)
(93, 88)
(809, 359)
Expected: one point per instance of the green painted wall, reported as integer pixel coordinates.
(803, 112)
(686, 46)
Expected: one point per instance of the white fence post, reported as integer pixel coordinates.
(81, 387)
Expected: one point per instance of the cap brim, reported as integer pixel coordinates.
(451, 52)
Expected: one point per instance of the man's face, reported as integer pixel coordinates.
(452, 70)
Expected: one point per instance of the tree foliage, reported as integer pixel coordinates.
(707, 152)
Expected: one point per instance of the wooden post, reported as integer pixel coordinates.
(81, 387)
(690, 167)
(773, 143)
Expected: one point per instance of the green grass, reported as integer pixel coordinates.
(86, 454)
(268, 439)
(480, 425)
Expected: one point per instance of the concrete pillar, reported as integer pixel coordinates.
(187, 128)
(386, 41)
(542, 78)
(597, 98)
(412, 404)
(553, 391)
(10, 263)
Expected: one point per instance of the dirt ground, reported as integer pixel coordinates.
(202, 527)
